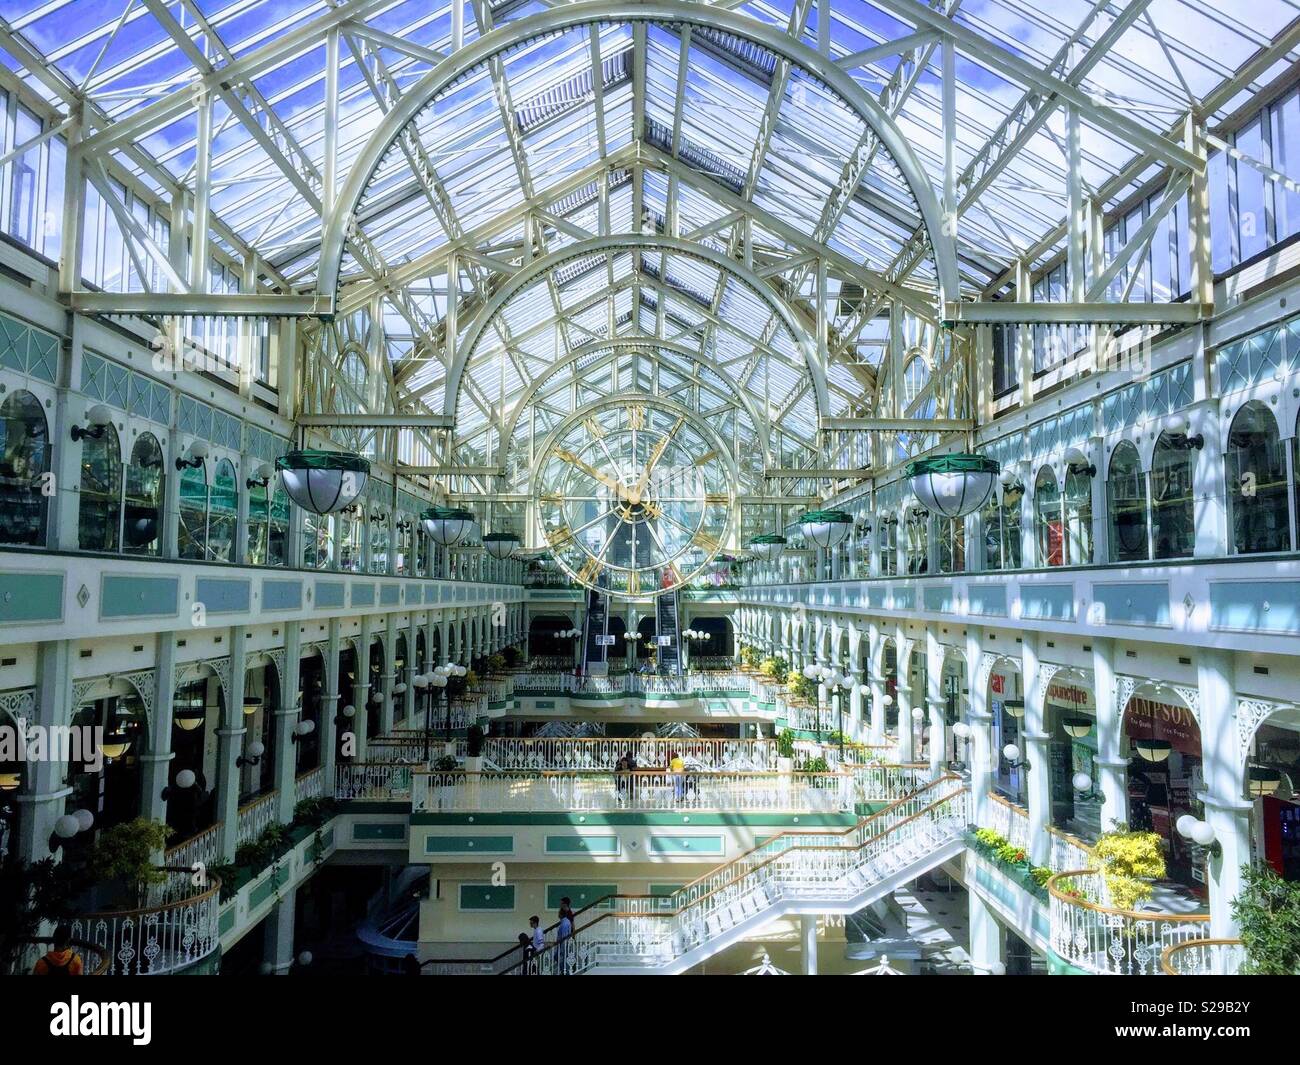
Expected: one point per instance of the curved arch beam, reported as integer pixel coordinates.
(586, 249)
(651, 344)
(343, 214)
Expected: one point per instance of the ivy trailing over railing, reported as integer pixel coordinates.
(273, 843)
(1002, 851)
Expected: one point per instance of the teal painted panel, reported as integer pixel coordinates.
(579, 895)
(390, 594)
(138, 597)
(286, 595)
(430, 593)
(469, 845)
(1137, 603)
(1047, 602)
(329, 594)
(263, 891)
(221, 596)
(31, 597)
(364, 832)
(904, 599)
(227, 920)
(677, 844)
(544, 704)
(988, 599)
(938, 600)
(487, 897)
(665, 889)
(363, 595)
(575, 844)
(1262, 606)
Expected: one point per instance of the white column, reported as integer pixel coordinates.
(934, 697)
(1038, 778)
(988, 939)
(286, 717)
(876, 680)
(808, 937)
(44, 796)
(230, 740)
(903, 693)
(1111, 767)
(330, 707)
(981, 735)
(277, 944)
(1225, 808)
(155, 762)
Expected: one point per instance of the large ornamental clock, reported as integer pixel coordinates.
(634, 495)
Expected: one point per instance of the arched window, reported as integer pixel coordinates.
(1078, 514)
(888, 546)
(223, 506)
(143, 497)
(259, 524)
(1047, 519)
(951, 534)
(917, 543)
(379, 541)
(1126, 500)
(192, 530)
(1255, 466)
(24, 459)
(991, 526)
(1013, 498)
(101, 492)
(278, 544)
(1173, 508)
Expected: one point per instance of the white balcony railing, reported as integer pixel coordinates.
(1203, 957)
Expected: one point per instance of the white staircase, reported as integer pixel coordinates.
(795, 872)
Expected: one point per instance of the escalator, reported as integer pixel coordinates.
(670, 659)
(595, 634)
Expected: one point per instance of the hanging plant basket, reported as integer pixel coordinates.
(449, 526)
(825, 528)
(501, 544)
(323, 482)
(952, 485)
(767, 547)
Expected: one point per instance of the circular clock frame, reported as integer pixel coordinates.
(685, 526)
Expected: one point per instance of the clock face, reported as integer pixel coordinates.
(634, 496)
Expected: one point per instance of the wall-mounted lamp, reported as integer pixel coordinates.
(1199, 832)
(1085, 468)
(1012, 754)
(70, 825)
(346, 715)
(198, 451)
(378, 516)
(302, 730)
(98, 419)
(1193, 442)
(261, 476)
(254, 750)
(185, 780)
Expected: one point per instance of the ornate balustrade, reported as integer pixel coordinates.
(254, 816)
(204, 847)
(1108, 941)
(377, 781)
(1009, 821)
(643, 790)
(309, 785)
(1203, 957)
(649, 931)
(174, 930)
(603, 752)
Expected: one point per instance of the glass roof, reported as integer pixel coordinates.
(653, 128)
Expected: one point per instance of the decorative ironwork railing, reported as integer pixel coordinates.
(1109, 941)
(309, 785)
(204, 847)
(603, 752)
(94, 958)
(378, 781)
(795, 866)
(175, 929)
(254, 816)
(1203, 957)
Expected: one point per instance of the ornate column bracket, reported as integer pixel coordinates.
(1250, 713)
(19, 704)
(1125, 686)
(1046, 671)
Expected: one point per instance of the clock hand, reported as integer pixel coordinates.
(644, 482)
(609, 482)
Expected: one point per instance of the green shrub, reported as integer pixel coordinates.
(446, 764)
(128, 854)
(1268, 913)
(785, 744)
(1128, 859)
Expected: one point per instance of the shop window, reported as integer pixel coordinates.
(1047, 519)
(349, 533)
(24, 460)
(379, 545)
(1078, 514)
(223, 508)
(192, 529)
(1173, 510)
(1126, 500)
(991, 526)
(143, 498)
(1257, 488)
(100, 492)
(259, 525)
(317, 540)
(917, 543)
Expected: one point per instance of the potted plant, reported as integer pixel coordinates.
(1268, 913)
(1130, 861)
(785, 751)
(124, 860)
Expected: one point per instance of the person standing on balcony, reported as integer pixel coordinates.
(677, 765)
(621, 779)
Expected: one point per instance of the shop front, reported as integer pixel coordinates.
(1273, 768)
(1070, 715)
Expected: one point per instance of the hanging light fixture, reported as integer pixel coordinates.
(1263, 780)
(115, 744)
(190, 718)
(501, 544)
(767, 547)
(1153, 750)
(825, 528)
(252, 704)
(1078, 727)
(10, 779)
(1014, 707)
(952, 485)
(323, 481)
(448, 526)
